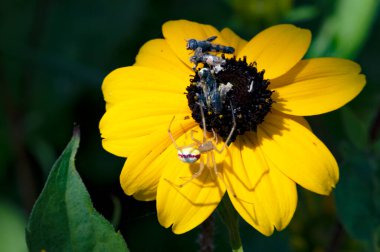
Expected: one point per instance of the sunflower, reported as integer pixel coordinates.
(272, 148)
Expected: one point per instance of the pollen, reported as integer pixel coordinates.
(247, 98)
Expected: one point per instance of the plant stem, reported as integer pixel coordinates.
(206, 237)
(230, 218)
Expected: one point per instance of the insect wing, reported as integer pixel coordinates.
(210, 39)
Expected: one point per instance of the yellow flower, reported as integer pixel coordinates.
(270, 152)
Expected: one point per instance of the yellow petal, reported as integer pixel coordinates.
(177, 32)
(157, 54)
(232, 39)
(300, 119)
(277, 49)
(279, 197)
(277, 192)
(317, 86)
(242, 177)
(148, 194)
(143, 168)
(264, 197)
(122, 147)
(298, 153)
(186, 207)
(135, 81)
(125, 125)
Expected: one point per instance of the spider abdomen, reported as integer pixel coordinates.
(189, 155)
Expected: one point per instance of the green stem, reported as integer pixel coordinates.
(235, 240)
(230, 218)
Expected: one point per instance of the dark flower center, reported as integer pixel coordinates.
(237, 90)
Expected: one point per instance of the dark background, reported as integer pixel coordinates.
(55, 54)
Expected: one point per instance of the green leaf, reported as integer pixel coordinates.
(355, 30)
(63, 218)
(351, 21)
(12, 228)
(376, 240)
(375, 147)
(357, 197)
(355, 129)
(301, 13)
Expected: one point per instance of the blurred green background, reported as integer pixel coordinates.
(55, 54)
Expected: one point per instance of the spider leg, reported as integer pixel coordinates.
(203, 121)
(175, 143)
(219, 175)
(209, 160)
(195, 175)
(172, 137)
(229, 135)
(215, 136)
(193, 138)
(229, 189)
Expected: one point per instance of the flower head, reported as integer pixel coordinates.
(238, 125)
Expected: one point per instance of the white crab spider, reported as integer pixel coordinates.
(191, 153)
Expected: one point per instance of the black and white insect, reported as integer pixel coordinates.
(196, 150)
(207, 46)
(213, 61)
(211, 94)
